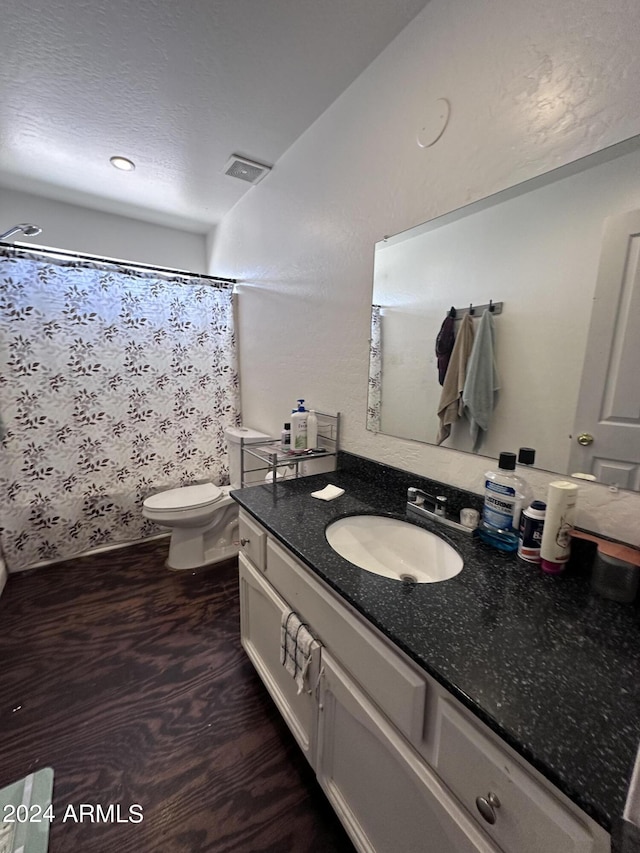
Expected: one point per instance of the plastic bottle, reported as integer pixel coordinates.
(556, 537)
(531, 528)
(312, 430)
(285, 437)
(299, 428)
(526, 456)
(503, 497)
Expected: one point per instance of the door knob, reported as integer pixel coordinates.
(487, 806)
(244, 542)
(585, 439)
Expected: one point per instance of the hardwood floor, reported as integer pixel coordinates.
(130, 681)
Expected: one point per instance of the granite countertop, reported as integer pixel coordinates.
(547, 664)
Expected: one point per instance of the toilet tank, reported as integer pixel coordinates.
(250, 436)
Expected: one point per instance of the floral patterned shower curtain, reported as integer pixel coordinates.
(114, 384)
(374, 401)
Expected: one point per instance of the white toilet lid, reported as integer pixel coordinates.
(186, 497)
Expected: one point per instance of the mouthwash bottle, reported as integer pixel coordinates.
(504, 493)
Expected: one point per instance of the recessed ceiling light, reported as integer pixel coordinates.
(122, 163)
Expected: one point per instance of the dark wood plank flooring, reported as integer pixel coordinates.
(130, 681)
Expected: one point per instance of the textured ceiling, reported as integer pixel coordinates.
(175, 85)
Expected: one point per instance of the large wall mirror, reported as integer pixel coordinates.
(562, 254)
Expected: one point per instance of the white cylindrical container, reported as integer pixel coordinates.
(312, 430)
(558, 524)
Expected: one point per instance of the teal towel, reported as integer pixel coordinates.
(482, 382)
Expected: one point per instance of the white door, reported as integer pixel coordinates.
(608, 407)
(387, 798)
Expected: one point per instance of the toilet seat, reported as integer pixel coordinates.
(184, 498)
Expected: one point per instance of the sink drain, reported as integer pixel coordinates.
(408, 579)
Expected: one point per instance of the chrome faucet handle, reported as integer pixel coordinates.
(441, 505)
(417, 496)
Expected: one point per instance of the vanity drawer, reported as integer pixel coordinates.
(253, 539)
(529, 818)
(396, 688)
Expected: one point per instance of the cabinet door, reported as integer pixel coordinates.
(387, 798)
(529, 818)
(261, 610)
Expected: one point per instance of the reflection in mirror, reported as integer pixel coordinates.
(562, 255)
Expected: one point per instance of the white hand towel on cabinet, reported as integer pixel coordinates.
(296, 648)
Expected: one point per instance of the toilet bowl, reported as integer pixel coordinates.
(203, 518)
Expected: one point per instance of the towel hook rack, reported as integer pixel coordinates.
(476, 310)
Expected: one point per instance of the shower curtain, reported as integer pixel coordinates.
(374, 399)
(114, 384)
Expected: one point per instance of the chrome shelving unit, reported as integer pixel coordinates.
(272, 457)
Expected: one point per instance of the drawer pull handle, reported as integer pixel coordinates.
(487, 806)
(244, 542)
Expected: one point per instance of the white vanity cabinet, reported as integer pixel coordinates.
(405, 766)
(386, 796)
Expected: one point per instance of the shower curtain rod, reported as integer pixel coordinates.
(65, 253)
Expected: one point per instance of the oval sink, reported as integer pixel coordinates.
(393, 548)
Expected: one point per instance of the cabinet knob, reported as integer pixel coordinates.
(487, 806)
(244, 542)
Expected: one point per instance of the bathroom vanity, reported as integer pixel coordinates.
(469, 715)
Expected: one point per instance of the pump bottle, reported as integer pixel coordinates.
(299, 428)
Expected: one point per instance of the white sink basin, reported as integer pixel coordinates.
(393, 548)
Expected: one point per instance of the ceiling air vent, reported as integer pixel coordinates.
(246, 170)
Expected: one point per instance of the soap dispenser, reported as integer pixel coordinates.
(299, 428)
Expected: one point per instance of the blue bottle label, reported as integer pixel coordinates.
(499, 505)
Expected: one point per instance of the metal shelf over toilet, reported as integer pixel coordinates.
(271, 458)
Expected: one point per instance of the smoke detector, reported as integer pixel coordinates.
(246, 170)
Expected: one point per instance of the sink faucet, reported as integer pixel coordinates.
(416, 499)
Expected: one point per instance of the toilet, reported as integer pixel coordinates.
(203, 518)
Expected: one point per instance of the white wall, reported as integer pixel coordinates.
(79, 229)
(531, 85)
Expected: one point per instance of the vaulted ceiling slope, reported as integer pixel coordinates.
(178, 86)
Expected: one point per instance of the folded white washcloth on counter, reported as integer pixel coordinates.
(328, 493)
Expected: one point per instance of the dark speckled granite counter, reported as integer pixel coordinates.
(547, 664)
